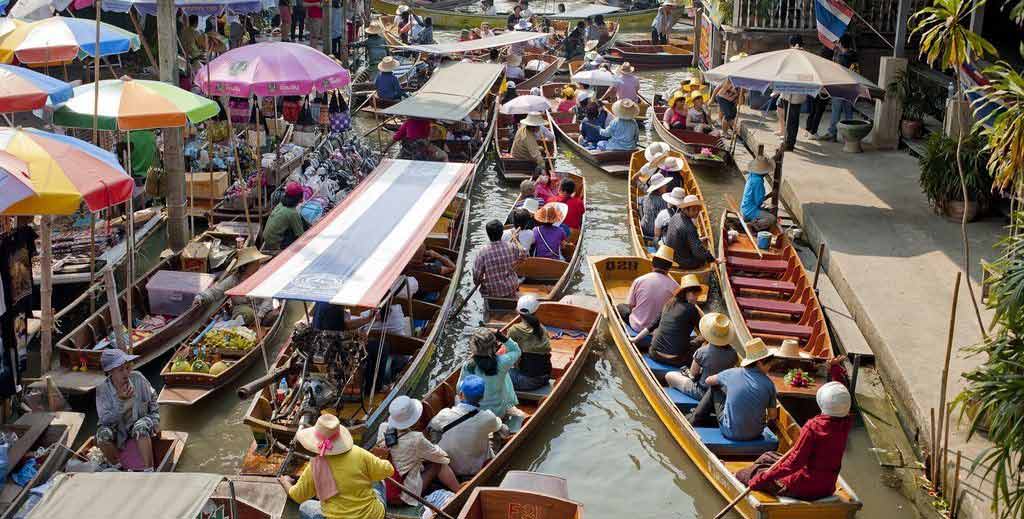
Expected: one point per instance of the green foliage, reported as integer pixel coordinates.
(1005, 136)
(946, 42)
(911, 94)
(939, 179)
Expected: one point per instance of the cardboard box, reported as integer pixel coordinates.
(171, 292)
(195, 257)
(205, 185)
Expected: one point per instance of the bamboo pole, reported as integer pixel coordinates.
(954, 503)
(238, 169)
(817, 265)
(933, 442)
(945, 371)
(944, 466)
(46, 295)
(130, 245)
(114, 304)
(145, 44)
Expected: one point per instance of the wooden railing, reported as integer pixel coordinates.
(798, 15)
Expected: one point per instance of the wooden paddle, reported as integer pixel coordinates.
(735, 208)
(422, 501)
(732, 504)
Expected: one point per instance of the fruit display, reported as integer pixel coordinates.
(236, 338)
(798, 378)
(218, 367)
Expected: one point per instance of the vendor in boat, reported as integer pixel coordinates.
(676, 113)
(494, 268)
(810, 469)
(697, 118)
(376, 48)
(417, 460)
(127, 412)
(710, 359)
(284, 225)
(521, 232)
(674, 342)
(423, 34)
(429, 260)
(487, 363)
(653, 203)
(534, 368)
(389, 89)
(649, 293)
(414, 134)
(744, 398)
(405, 19)
(247, 262)
(549, 234)
(464, 430)
(682, 235)
(513, 70)
(623, 133)
(756, 217)
(573, 203)
(526, 143)
(628, 86)
(663, 22)
(339, 481)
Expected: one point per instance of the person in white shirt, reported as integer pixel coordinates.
(487, 6)
(464, 430)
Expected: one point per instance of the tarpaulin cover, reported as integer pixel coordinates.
(196, 7)
(501, 40)
(451, 93)
(126, 495)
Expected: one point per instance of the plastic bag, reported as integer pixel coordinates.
(26, 472)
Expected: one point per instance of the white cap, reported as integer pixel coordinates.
(834, 399)
(527, 304)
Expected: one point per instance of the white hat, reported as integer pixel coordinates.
(387, 64)
(114, 358)
(591, 45)
(716, 328)
(655, 149)
(755, 351)
(790, 348)
(527, 304)
(533, 119)
(510, 85)
(402, 9)
(590, 55)
(523, 25)
(531, 204)
(374, 28)
(671, 164)
(656, 182)
(325, 438)
(625, 109)
(674, 197)
(404, 412)
(834, 399)
(690, 201)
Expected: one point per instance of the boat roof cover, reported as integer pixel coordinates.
(501, 40)
(353, 255)
(584, 11)
(126, 495)
(451, 93)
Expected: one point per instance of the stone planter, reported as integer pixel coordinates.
(851, 131)
(955, 209)
(911, 129)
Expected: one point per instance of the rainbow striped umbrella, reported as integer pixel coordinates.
(61, 39)
(22, 89)
(134, 104)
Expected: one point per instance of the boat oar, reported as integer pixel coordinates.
(734, 208)
(389, 119)
(732, 504)
(422, 501)
(462, 304)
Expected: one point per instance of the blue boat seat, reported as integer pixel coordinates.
(536, 394)
(659, 369)
(645, 342)
(684, 402)
(722, 446)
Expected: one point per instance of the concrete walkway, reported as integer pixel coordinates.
(893, 262)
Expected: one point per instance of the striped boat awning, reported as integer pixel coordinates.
(354, 254)
(502, 40)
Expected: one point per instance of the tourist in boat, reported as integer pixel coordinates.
(742, 398)
(247, 262)
(676, 113)
(284, 225)
(389, 89)
(510, 92)
(127, 412)
(549, 233)
(547, 186)
(423, 34)
(414, 134)
(487, 362)
(514, 17)
(674, 342)
(464, 430)
(485, 30)
(521, 233)
(526, 143)
(599, 31)
(487, 8)
(534, 368)
(513, 70)
(697, 118)
(652, 203)
(628, 87)
(810, 469)
(376, 49)
(574, 41)
(405, 19)
(568, 102)
(710, 359)
(494, 268)
(429, 260)
(682, 235)
(757, 218)
(663, 22)
(671, 168)
(623, 133)
(417, 460)
(339, 480)
(573, 203)
(592, 123)
(527, 191)
(649, 293)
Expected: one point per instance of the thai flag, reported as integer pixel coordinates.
(833, 17)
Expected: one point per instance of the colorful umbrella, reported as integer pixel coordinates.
(64, 172)
(61, 39)
(271, 69)
(197, 7)
(22, 89)
(134, 104)
(15, 183)
(525, 104)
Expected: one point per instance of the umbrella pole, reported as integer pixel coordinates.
(92, 258)
(130, 245)
(238, 169)
(96, 80)
(259, 153)
(46, 296)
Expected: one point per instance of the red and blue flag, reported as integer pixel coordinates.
(833, 17)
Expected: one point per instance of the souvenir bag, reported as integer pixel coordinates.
(325, 108)
(238, 110)
(291, 108)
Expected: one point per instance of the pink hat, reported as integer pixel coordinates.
(293, 189)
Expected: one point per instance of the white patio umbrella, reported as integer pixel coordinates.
(523, 105)
(793, 71)
(597, 77)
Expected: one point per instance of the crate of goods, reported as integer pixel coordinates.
(206, 185)
(171, 292)
(195, 257)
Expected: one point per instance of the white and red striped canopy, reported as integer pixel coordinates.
(355, 253)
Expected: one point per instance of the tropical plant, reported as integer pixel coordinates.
(1005, 125)
(939, 179)
(912, 96)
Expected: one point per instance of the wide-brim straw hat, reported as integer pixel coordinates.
(761, 165)
(326, 437)
(373, 28)
(656, 182)
(691, 281)
(625, 109)
(533, 119)
(677, 96)
(666, 253)
(674, 197)
(656, 149)
(790, 349)
(248, 255)
(716, 328)
(402, 9)
(626, 68)
(404, 412)
(514, 59)
(698, 94)
(552, 213)
(691, 201)
(692, 84)
(671, 164)
(591, 45)
(388, 64)
(755, 351)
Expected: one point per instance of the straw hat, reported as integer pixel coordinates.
(591, 45)
(404, 412)
(656, 182)
(761, 165)
(691, 281)
(692, 84)
(387, 64)
(671, 164)
(677, 96)
(373, 28)
(674, 197)
(756, 350)
(326, 437)
(834, 399)
(514, 59)
(552, 213)
(523, 25)
(790, 349)
(716, 328)
(533, 119)
(690, 201)
(625, 109)
(626, 68)
(248, 255)
(666, 253)
(531, 204)
(568, 92)
(402, 9)
(698, 94)
(655, 149)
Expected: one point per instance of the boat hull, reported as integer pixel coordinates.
(445, 19)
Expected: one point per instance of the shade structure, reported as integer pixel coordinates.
(502, 40)
(61, 39)
(526, 104)
(22, 89)
(15, 183)
(196, 7)
(597, 77)
(584, 11)
(134, 104)
(31, 10)
(451, 93)
(792, 71)
(271, 69)
(354, 254)
(126, 495)
(64, 172)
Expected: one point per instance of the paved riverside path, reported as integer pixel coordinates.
(894, 262)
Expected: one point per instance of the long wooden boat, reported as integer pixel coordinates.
(550, 66)
(573, 332)
(448, 19)
(614, 163)
(770, 296)
(699, 148)
(685, 42)
(188, 388)
(651, 56)
(514, 171)
(717, 458)
(496, 502)
(167, 449)
(55, 437)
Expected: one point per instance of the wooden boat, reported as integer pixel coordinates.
(770, 296)
(188, 388)
(496, 503)
(512, 170)
(716, 458)
(543, 74)
(167, 449)
(55, 434)
(693, 145)
(685, 43)
(612, 162)
(449, 19)
(568, 354)
(651, 56)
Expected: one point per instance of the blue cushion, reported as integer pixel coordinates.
(684, 402)
(430, 297)
(722, 446)
(645, 342)
(652, 249)
(659, 369)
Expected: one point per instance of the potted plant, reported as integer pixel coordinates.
(941, 183)
(913, 101)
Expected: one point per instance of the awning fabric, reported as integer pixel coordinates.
(502, 40)
(583, 12)
(353, 255)
(126, 495)
(451, 93)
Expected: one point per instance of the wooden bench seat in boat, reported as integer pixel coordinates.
(798, 331)
(767, 285)
(713, 438)
(758, 265)
(684, 402)
(536, 394)
(775, 306)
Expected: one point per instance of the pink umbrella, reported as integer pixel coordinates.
(271, 69)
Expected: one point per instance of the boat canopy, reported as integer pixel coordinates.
(451, 93)
(502, 40)
(353, 255)
(584, 11)
(126, 495)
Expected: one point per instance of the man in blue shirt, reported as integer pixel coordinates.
(743, 398)
(388, 87)
(753, 195)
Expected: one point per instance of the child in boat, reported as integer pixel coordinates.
(534, 368)
(493, 367)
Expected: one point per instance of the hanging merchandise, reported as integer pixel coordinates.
(332, 170)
